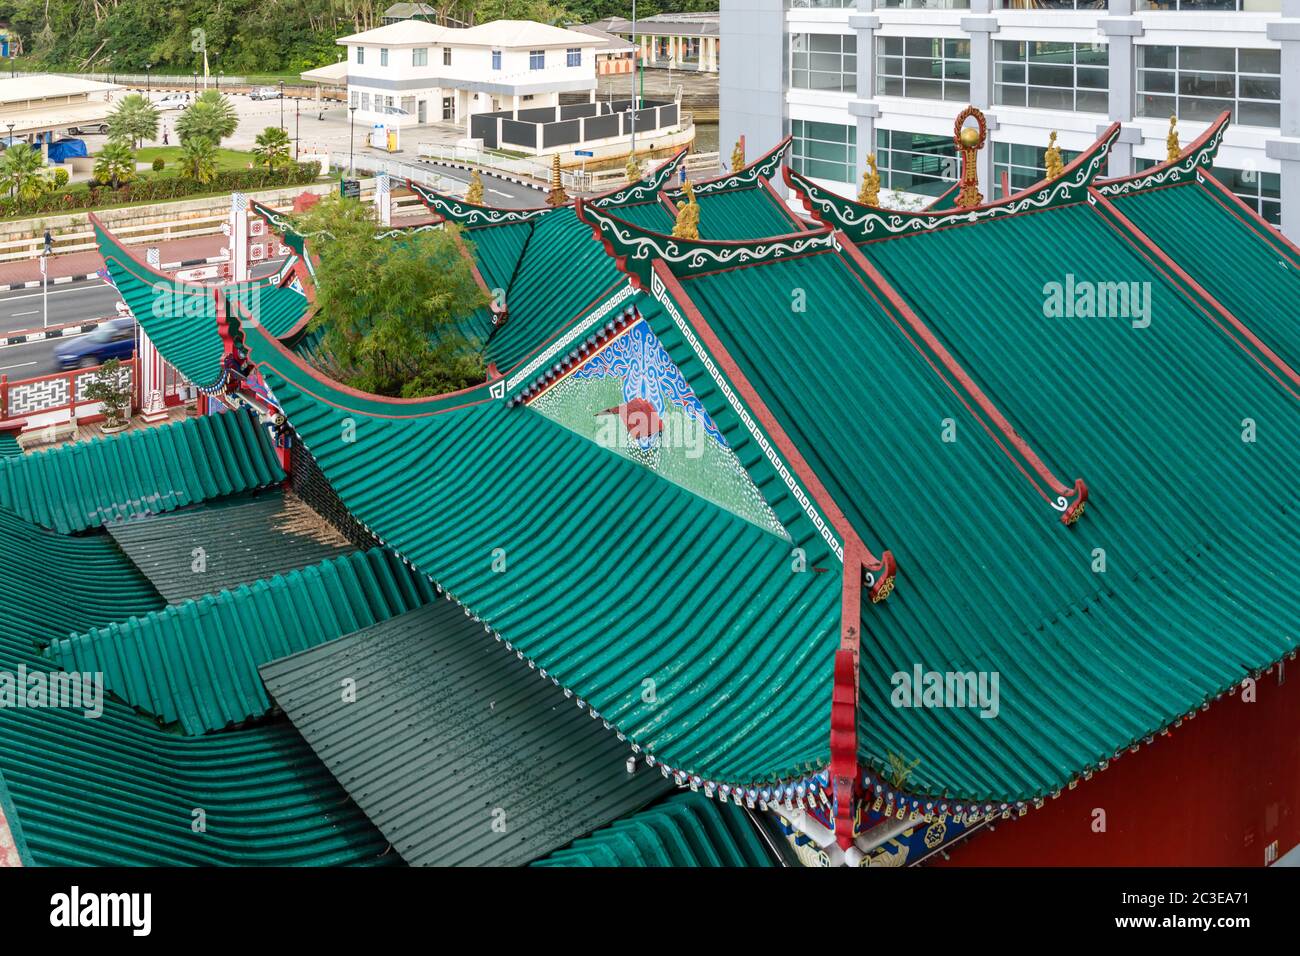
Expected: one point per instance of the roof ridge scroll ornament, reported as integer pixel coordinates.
(1196, 156)
(471, 215)
(646, 190)
(862, 223)
(765, 167)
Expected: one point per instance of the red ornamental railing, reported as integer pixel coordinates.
(55, 392)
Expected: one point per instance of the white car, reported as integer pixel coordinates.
(264, 93)
(173, 101)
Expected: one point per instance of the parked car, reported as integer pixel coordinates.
(100, 128)
(173, 101)
(114, 339)
(265, 93)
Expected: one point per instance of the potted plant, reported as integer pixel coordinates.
(110, 388)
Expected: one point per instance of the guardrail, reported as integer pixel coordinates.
(46, 396)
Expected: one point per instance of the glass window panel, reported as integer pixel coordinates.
(1260, 61)
(1258, 114)
(1223, 59)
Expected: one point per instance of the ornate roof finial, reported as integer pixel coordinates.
(1172, 149)
(1053, 156)
(688, 216)
(557, 196)
(475, 192)
(969, 140)
(632, 170)
(738, 156)
(869, 191)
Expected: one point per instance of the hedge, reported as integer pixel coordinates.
(84, 196)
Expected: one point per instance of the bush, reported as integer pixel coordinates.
(159, 164)
(82, 196)
(60, 178)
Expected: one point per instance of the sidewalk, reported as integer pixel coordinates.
(195, 250)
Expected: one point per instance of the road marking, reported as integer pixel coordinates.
(37, 295)
(33, 312)
(5, 368)
(500, 193)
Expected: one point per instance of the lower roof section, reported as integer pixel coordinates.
(686, 829)
(212, 546)
(142, 471)
(458, 752)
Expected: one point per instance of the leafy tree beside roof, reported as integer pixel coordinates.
(133, 119)
(210, 116)
(115, 163)
(392, 309)
(273, 147)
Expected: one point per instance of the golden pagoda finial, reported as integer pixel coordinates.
(1172, 149)
(969, 140)
(738, 156)
(1053, 156)
(557, 196)
(475, 192)
(869, 191)
(632, 170)
(688, 216)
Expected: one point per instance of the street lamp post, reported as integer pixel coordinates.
(282, 104)
(636, 64)
(148, 79)
(9, 142)
(220, 74)
(196, 84)
(297, 120)
(352, 137)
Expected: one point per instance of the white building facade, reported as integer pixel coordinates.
(413, 72)
(888, 77)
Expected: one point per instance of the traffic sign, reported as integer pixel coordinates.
(583, 152)
(350, 188)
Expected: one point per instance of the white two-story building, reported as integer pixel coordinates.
(413, 72)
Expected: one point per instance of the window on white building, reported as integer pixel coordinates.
(446, 56)
(1252, 5)
(573, 56)
(365, 102)
(923, 163)
(934, 68)
(420, 56)
(1023, 165)
(820, 4)
(824, 150)
(361, 54)
(536, 59)
(496, 59)
(1052, 76)
(824, 61)
(383, 56)
(924, 4)
(1262, 192)
(1050, 5)
(1199, 83)
(354, 98)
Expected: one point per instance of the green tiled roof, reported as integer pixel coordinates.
(115, 791)
(9, 447)
(989, 579)
(196, 662)
(457, 751)
(602, 591)
(653, 215)
(142, 471)
(752, 213)
(1218, 244)
(180, 318)
(686, 829)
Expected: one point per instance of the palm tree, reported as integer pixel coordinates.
(198, 158)
(210, 116)
(115, 163)
(272, 147)
(21, 171)
(134, 119)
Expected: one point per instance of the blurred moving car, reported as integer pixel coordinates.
(100, 128)
(114, 339)
(173, 101)
(265, 93)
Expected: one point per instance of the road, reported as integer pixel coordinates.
(70, 302)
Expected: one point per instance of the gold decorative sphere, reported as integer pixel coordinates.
(970, 136)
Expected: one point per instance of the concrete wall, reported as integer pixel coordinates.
(751, 85)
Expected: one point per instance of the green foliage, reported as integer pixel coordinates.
(392, 309)
(60, 178)
(273, 147)
(158, 164)
(108, 386)
(22, 172)
(210, 117)
(115, 164)
(198, 159)
(134, 119)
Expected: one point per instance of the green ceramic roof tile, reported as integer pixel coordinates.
(196, 662)
(9, 447)
(752, 213)
(686, 829)
(1234, 256)
(116, 791)
(450, 734)
(604, 591)
(142, 471)
(497, 250)
(653, 215)
(989, 579)
(208, 547)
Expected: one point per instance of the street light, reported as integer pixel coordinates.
(148, 80)
(636, 64)
(297, 120)
(220, 74)
(352, 137)
(196, 83)
(282, 104)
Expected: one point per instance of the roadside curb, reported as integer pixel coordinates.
(82, 277)
(54, 332)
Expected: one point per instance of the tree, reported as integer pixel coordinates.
(198, 159)
(21, 172)
(112, 389)
(134, 119)
(392, 309)
(273, 147)
(210, 116)
(115, 163)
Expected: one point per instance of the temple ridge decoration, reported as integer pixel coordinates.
(738, 155)
(765, 167)
(688, 217)
(475, 192)
(1172, 149)
(557, 196)
(468, 214)
(970, 140)
(869, 191)
(1184, 166)
(1053, 158)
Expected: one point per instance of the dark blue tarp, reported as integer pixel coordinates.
(66, 149)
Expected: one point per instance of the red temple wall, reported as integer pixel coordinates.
(1215, 792)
